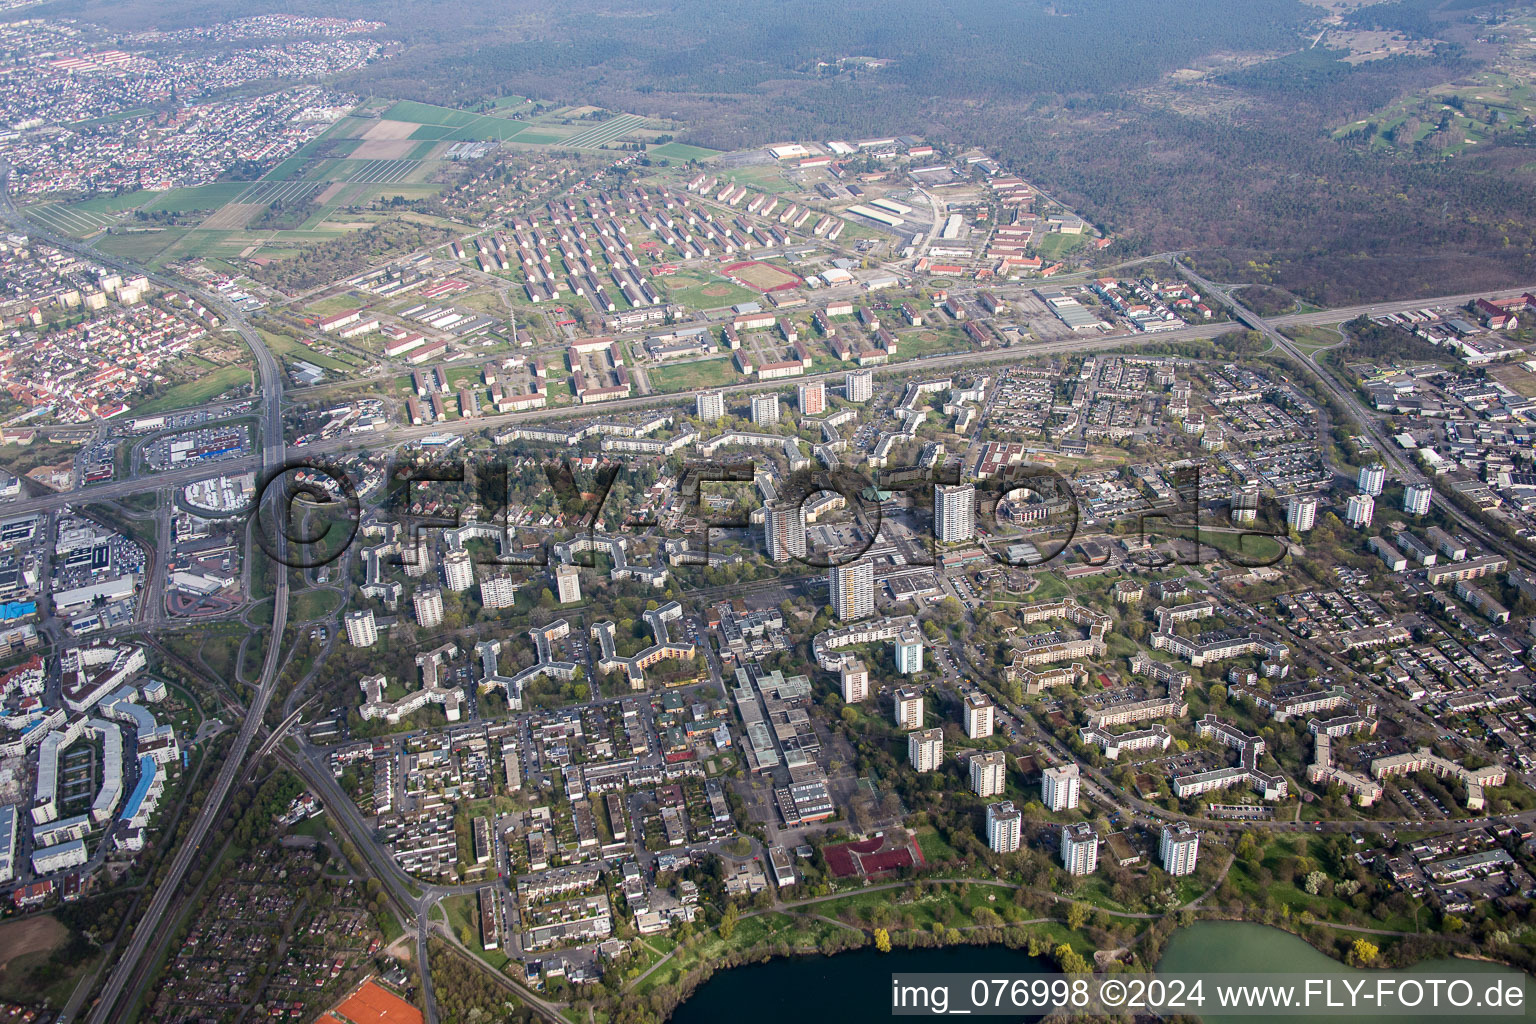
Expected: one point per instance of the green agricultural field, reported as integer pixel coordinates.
(405, 189)
(285, 170)
(487, 128)
(344, 196)
(334, 169)
(67, 220)
(140, 246)
(537, 139)
(681, 151)
(202, 197)
(348, 128)
(196, 392)
(704, 373)
(292, 239)
(114, 204)
(208, 243)
(427, 113)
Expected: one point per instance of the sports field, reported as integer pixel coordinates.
(373, 1004)
(682, 151)
(764, 277)
(699, 291)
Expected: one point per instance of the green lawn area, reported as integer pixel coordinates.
(751, 931)
(1252, 547)
(934, 847)
(767, 178)
(196, 392)
(703, 373)
(219, 652)
(285, 347)
(1311, 339)
(927, 910)
(1052, 587)
(681, 151)
(464, 918)
(314, 604)
(315, 827)
(261, 615)
(1329, 908)
(334, 304)
(915, 344)
(1055, 245)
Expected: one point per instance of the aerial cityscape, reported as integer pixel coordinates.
(640, 512)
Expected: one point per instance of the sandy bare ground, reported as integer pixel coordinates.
(329, 193)
(232, 216)
(31, 935)
(391, 130)
(383, 149)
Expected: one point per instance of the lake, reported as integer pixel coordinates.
(1238, 947)
(857, 985)
(854, 986)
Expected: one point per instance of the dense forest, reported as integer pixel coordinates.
(1192, 126)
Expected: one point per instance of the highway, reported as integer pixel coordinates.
(379, 440)
(1401, 465)
(132, 964)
